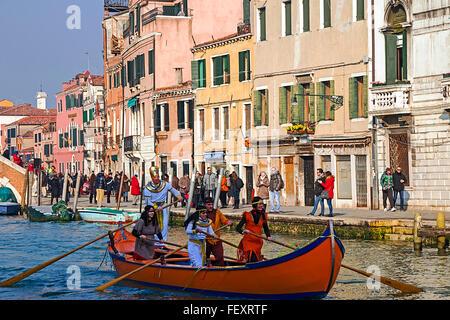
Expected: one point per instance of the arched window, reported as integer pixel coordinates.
(396, 45)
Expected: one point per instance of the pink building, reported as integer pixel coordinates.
(157, 58)
(69, 147)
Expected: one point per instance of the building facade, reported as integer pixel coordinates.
(310, 96)
(409, 97)
(222, 72)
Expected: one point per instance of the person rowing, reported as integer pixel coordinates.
(197, 242)
(249, 249)
(146, 228)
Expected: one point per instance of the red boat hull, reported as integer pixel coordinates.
(309, 272)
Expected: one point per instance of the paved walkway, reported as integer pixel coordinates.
(429, 216)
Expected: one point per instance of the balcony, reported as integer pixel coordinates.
(132, 143)
(390, 99)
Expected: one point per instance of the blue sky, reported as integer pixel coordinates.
(37, 46)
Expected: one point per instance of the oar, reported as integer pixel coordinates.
(112, 282)
(29, 272)
(219, 239)
(404, 287)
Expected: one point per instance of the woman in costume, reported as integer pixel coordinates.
(197, 242)
(146, 228)
(249, 249)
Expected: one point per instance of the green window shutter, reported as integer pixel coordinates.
(391, 57)
(320, 102)
(257, 108)
(158, 118)
(246, 7)
(81, 100)
(306, 15)
(191, 114)
(365, 96)
(138, 18)
(262, 23)
(166, 117)
(266, 116)
(332, 107)
(248, 65)
(360, 10)
(297, 110)
(288, 17)
(326, 13)
(301, 104)
(74, 138)
(202, 73)
(218, 71)
(282, 112)
(405, 56)
(84, 116)
(123, 75)
(242, 65)
(66, 139)
(131, 27)
(226, 67)
(194, 74)
(180, 114)
(81, 138)
(352, 98)
(61, 141)
(312, 106)
(151, 62)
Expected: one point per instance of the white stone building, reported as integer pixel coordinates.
(409, 97)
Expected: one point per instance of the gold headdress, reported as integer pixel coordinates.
(154, 172)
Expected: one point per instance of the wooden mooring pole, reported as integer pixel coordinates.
(440, 224)
(417, 238)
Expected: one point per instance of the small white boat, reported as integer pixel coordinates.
(107, 215)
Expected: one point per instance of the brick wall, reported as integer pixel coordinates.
(12, 176)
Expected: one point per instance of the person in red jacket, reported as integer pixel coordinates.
(329, 186)
(135, 189)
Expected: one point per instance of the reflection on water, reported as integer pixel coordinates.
(24, 245)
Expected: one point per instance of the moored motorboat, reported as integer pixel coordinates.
(309, 272)
(9, 208)
(107, 215)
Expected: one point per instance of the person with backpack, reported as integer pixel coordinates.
(318, 188)
(276, 184)
(236, 186)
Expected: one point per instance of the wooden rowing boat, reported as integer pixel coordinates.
(107, 215)
(309, 272)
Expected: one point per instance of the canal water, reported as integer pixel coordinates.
(25, 244)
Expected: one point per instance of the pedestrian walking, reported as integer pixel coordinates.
(387, 184)
(318, 189)
(276, 184)
(262, 187)
(184, 185)
(210, 183)
(125, 187)
(100, 186)
(399, 180)
(54, 188)
(92, 191)
(117, 179)
(109, 187)
(223, 192)
(236, 186)
(197, 198)
(328, 193)
(135, 189)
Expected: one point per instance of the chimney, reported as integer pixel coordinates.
(41, 98)
(179, 76)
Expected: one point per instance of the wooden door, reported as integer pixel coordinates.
(308, 171)
(361, 181)
(289, 181)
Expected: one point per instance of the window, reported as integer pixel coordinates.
(185, 111)
(216, 123)
(359, 10)
(287, 18)
(221, 70)
(325, 110)
(201, 123)
(246, 7)
(186, 167)
(225, 122)
(396, 45)
(262, 24)
(358, 97)
(326, 9)
(285, 105)
(174, 167)
(248, 119)
(12, 133)
(306, 21)
(244, 65)
(198, 73)
(261, 108)
(151, 62)
(158, 118)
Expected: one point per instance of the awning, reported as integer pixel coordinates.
(131, 102)
(217, 156)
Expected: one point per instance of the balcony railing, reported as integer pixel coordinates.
(132, 143)
(390, 99)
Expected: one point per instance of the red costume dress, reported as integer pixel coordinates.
(249, 249)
